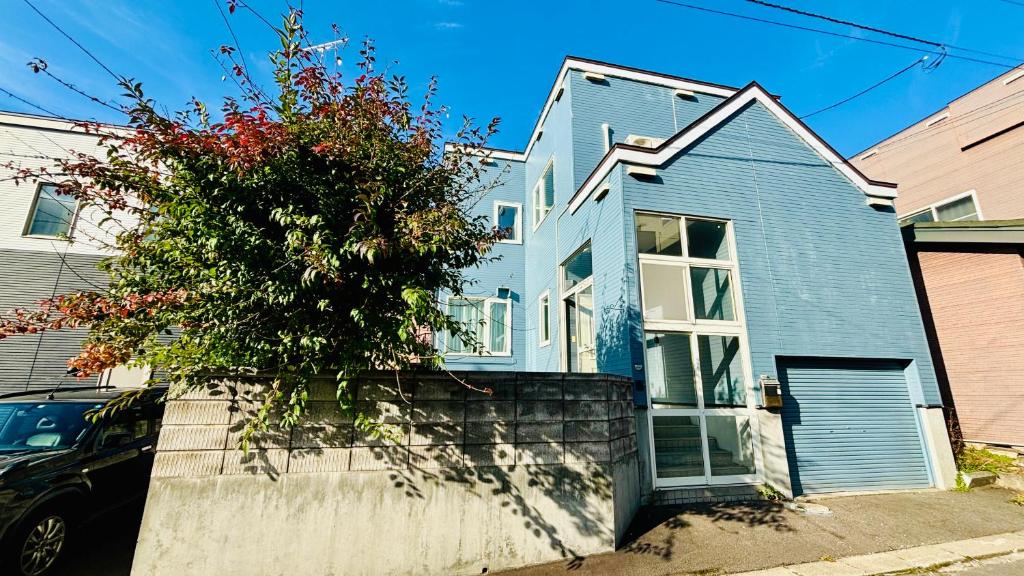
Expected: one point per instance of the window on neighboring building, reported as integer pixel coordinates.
(508, 219)
(489, 320)
(544, 319)
(544, 194)
(963, 207)
(52, 213)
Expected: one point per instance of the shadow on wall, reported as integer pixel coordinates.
(564, 432)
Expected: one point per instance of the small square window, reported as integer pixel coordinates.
(664, 290)
(658, 235)
(52, 212)
(712, 294)
(507, 218)
(707, 239)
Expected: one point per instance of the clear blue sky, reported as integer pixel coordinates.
(500, 58)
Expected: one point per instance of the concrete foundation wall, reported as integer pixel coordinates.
(544, 468)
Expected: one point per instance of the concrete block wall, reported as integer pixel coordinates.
(544, 467)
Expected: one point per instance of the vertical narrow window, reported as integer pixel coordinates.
(52, 213)
(577, 305)
(544, 319)
(508, 219)
(499, 326)
(544, 194)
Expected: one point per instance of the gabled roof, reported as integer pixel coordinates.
(624, 153)
(614, 71)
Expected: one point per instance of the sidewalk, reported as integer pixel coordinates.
(933, 556)
(717, 539)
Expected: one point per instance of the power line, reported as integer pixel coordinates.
(27, 103)
(933, 43)
(920, 60)
(73, 41)
(834, 34)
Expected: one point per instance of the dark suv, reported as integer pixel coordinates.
(57, 468)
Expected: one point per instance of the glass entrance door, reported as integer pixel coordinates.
(581, 350)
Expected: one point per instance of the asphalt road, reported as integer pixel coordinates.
(1012, 564)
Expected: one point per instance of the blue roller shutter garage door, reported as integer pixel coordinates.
(850, 425)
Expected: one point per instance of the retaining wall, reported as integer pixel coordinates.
(542, 469)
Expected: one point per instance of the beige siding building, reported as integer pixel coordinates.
(960, 173)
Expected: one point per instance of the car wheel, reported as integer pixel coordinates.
(40, 544)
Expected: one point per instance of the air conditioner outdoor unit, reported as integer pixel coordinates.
(645, 141)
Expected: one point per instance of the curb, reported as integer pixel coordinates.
(905, 559)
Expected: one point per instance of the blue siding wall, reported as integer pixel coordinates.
(628, 107)
(506, 177)
(822, 273)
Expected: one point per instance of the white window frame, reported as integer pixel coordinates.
(486, 344)
(538, 194)
(934, 208)
(32, 215)
(563, 294)
(518, 227)
(544, 324)
(696, 328)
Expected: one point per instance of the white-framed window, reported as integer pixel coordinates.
(544, 194)
(52, 214)
(577, 313)
(960, 207)
(490, 322)
(544, 319)
(508, 217)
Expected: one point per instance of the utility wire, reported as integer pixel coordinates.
(75, 42)
(939, 45)
(27, 103)
(920, 60)
(834, 34)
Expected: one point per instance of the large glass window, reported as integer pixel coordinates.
(487, 320)
(52, 213)
(695, 369)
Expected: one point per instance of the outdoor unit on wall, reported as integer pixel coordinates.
(645, 141)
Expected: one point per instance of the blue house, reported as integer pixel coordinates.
(701, 240)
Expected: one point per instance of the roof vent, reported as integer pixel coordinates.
(645, 141)
(558, 95)
(688, 94)
(869, 154)
(593, 76)
(602, 191)
(937, 120)
(1014, 78)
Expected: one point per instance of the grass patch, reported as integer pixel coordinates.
(961, 486)
(769, 493)
(1018, 499)
(979, 460)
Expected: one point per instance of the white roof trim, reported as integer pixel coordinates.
(53, 123)
(690, 134)
(488, 152)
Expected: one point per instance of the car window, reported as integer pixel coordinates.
(34, 426)
(122, 428)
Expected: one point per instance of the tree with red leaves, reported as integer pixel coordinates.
(305, 234)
